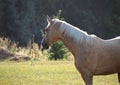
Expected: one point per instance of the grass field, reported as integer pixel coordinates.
(46, 73)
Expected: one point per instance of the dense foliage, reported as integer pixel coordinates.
(20, 20)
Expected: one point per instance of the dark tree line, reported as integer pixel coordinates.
(20, 20)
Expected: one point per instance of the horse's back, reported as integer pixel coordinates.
(117, 39)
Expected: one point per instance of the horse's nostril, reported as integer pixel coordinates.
(44, 45)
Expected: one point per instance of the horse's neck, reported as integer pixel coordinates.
(71, 44)
(73, 38)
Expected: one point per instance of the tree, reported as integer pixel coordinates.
(19, 20)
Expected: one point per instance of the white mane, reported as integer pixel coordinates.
(71, 31)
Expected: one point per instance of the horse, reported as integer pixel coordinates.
(92, 55)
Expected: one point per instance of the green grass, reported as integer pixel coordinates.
(46, 73)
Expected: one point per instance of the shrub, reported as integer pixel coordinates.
(57, 51)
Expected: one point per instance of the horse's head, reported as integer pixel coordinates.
(51, 33)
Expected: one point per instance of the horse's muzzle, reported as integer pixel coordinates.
(44, 45)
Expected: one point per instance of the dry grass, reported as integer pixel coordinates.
(13, 52)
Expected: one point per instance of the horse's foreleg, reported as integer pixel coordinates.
(119, 77)
(88, 78)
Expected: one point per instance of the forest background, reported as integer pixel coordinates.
(20, 20)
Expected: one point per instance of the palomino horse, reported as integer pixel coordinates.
(93, 56)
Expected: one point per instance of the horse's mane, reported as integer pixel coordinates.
(73, 32)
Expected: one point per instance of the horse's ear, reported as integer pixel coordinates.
(49, 19)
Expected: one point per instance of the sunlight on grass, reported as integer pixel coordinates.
(46, 73)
